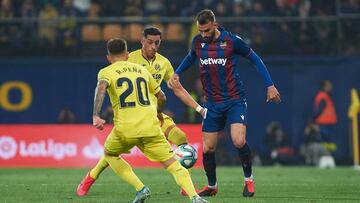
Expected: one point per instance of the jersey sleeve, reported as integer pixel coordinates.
(104, 76)
(241, 47)
(169, 70)
(260, 67)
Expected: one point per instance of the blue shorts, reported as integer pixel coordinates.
(233, 111)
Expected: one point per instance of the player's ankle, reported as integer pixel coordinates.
(249, 178)
(212, 186)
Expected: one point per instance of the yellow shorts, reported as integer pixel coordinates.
(155, 148)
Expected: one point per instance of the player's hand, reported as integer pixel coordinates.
(174, 81)
(161, 118)
(273, 95)
(203, 112)
(98, 122)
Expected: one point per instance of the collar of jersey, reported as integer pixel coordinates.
(152, 61)
(222, 32)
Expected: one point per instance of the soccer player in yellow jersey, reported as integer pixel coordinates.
(161, 69)
(130, 86)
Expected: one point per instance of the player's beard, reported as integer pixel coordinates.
(210, 38)
(151, 54)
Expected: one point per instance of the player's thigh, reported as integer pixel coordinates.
(237, 118)
(116, 144)
(173, 133)
(214, 120)
(210, 140)
(156, 148)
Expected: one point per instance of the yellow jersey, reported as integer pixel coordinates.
(160, 68)
(130, 87)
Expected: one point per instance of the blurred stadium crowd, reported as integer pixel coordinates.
(279, 27)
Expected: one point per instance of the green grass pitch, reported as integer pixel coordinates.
(272, 184)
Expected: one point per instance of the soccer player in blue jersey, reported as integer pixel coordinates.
(218, 51)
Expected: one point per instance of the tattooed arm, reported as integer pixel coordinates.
(100, 92)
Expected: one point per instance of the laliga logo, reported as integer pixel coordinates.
(47, 148)
(8, 147)
(94, 150)
(42, 148)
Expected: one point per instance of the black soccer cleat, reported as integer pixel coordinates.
(207, 192)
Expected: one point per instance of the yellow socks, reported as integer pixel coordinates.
(182, 178)
(101, 165)
(177, 136)
(124, 171)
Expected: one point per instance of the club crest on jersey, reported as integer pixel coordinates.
(223, 44)
(157, 67)
(202, 45)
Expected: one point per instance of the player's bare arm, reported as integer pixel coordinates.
(100, 92)
(174, 81)
(273, 95)
(187, 99)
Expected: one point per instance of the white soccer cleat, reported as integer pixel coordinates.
(198, 199)
(142, 195)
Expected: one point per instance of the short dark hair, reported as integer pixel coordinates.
(116, 46)
(323, 83)
(205, 16)
(151, 31)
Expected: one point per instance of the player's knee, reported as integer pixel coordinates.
(239, 142)
(168, 162)
(110, 154)
(208, 149)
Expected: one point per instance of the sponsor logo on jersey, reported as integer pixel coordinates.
(213, 61)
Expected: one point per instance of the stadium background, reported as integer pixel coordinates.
(51, 51)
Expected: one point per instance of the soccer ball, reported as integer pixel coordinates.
(186, 155)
